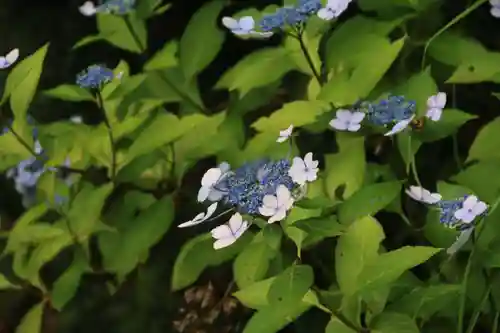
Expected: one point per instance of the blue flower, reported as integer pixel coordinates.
(395, 110)
(117, 7)
(293, 16)
(247, 185)
(94, 76)
(308, 6)
(447, 212)
(272, 22)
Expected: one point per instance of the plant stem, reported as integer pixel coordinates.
(449, 25)
(308, 57)
(494, 329)
(21, 140)
(100, 104)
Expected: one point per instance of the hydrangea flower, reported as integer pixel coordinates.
(347, 120)
(276, 206)
(285, 134)
(94, 77)
(308, 7)
(495, 8)
(243, 26)
(289, 16)
(9, 59)
(209, 182)
(458, 214)
(435, 106)
(201, 217)
(395, 111)
(117, 7)
(304, 170)
(333, 9)
(229, 233)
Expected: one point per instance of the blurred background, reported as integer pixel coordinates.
(144, 302)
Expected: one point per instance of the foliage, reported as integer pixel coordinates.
(318, 224)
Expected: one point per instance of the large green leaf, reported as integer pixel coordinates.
(485, 145)
(388, 267)
(290, 286)
(258, 69)
(323, 226)
(252, 264)
(66, 286)
(450, 122)
(272, 319)
(69, 92)
(131, 37)
(32, 321)
(336, 326)
(201, 31)
(197, 254)
(368, 201)
(6, 284)
(164, 58)
(418, 88)
(356, 249)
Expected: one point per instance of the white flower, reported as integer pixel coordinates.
(471, 208)
(200, 217)
(9, 59)
(495, 8)
(227, 234)
(243, 26)
(399, 126)
(277, 206)
(347, 120)
(285, 134)
(303, 170)
(333, 9)
(210, 180)
(435, 106)
(460, 241)
(421, 194)
(88, 8)
(76, 119)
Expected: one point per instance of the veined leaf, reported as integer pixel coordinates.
(127, 37)
(69, 92)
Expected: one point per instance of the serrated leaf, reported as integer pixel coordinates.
(69, 92)
(252, 264)
(197, 254)
(202, 30)
(116, 31)
(368, 201)
(32, 321)
(356, 249)
(290, 286)
(388, 267)
(485, 145)
(298, 113)
(258, 69)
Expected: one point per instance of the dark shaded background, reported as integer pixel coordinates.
(144, 303)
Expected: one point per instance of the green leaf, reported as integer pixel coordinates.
(202, 30)
(298, 113)
(22, 82)
(17, 236)
(424, 302)
(350, 86)
(297, 55)
(252, 264)
(32, 321)
(356, 249)
(485, 145)
(69, 92)
(336, 326)
(327, 226)
(368, 201)
(272, 319)
(258, 69)
(347, 167)
(116, 31)
(197, 254)
(86, 209)
(87, 40)
(290, 286)
(419, 88)
(388, 267)
(165, 58)
(12, 151)
(6, 284)
(66, 286)
(478, 178)
(392, 322)
(450, 122)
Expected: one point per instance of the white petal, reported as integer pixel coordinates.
(267, 211)
(230, 23)
(298, 162)
(283, 195)
(270, 201)
(240, 32)
(235, 222)
(298, 175)
(344, 114)
(434, 114)
(76, 119)
(246, 23)
(311, 175)
(470, 202)
(210, 210)
(203, 193)
(400, 126)
(308, 159)
(338, 124)
(12, 56)
(479, 208)
(224, 167)
(461, 240)
(280, 215)
(434, 198)
(221, 232)
(495, 11)
(225, 242)
(464, 215)
(353, 127)
(215, 195)
(88, 8)
(281, 139)
(211, 177)
(266, 34)
(325, 14)
(197, 220)
(4, 63)
(357, 117)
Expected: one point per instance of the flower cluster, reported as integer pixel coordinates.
(264, 187)
(395, 111)
(117, 7)
(458, 214)
(95, 76)
(284, 17)
(7, 60)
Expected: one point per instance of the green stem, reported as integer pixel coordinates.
(478, 309)
(100, 104)
(449, 25)
(456, 154)
(494, 329)
(308, 57)
(21, 141)
(412, 165)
